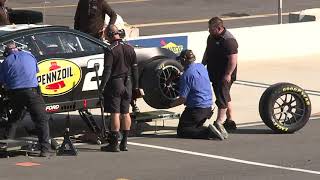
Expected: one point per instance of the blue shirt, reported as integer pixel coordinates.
(19, 70)
(195, 86)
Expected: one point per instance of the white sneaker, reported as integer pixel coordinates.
(214, 131)
(221, 129)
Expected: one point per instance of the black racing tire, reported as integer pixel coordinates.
(285, 107)
(25, 16)
(160, 82)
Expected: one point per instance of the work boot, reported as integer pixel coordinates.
(222, 130)
(123, 144)
(113, 145)
(230, 125)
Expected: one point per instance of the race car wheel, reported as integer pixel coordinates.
(285, 107)
(159, 81)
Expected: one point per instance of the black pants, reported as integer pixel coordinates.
(191, 123)
(31, 99)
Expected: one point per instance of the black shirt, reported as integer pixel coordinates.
(90, 15)
(122, 60)
(218, 50)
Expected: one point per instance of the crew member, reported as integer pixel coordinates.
(120, 64)
(4, 17)
(221, 59)
(195, 92)
(18, 73)
(90, 17)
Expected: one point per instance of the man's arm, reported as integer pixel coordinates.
(106, 9)
(232, 47)
(135, 70)
(183, 93)
(205, 58)
(1, 74)
(177, 102)
(108, 61)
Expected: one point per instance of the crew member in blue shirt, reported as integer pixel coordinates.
(18, 74)
(195, 92)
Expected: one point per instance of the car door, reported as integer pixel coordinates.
(66, 62)
(66, 68)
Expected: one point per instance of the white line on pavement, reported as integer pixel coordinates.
(224, 158)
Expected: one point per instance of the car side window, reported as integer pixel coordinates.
(57, 43)
(23, 43)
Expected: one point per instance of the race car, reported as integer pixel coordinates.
(66, 60)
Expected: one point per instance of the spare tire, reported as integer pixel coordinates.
(285, 107)
(25, 17)
(159, 81)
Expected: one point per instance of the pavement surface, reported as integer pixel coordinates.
(173, 16)
(252, 152)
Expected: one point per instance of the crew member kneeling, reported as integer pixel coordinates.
(19, 75)
(196, 94)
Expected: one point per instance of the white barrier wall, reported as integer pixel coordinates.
(263, 42)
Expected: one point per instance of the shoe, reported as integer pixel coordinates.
(113, 145)
(47, 153)
(230, 125)
(123, 147)
(110, 148)
(222, 130)
(215, 132)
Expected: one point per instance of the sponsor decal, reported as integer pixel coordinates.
(176, 43)
(53, 108)
(58, 76)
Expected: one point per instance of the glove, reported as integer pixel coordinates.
(137, 93)
(101, 97)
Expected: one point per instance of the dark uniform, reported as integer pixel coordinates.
(18, 73)
(122, 61)
(90, 16)
(4, 17)
(217, 62)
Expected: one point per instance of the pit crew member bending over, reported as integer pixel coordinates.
(196, 94)
(19, 75)
(120, 64)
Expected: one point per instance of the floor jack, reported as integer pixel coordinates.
(67, 147)
(98, 135)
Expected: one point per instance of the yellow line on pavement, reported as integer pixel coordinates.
(204, 20)
(75, 5)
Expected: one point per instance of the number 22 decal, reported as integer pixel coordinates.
(88, 83)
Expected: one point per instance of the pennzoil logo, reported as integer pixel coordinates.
(172, 46)
(58, 76)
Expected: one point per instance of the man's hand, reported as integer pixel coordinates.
(101, 97)
(227, 78)
(137, 93)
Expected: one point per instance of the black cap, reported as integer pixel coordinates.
(187, 55)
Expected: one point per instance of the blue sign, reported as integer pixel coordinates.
(176, 44)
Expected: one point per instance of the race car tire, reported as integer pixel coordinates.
(25, 17)
(159, 81)
(285, 107)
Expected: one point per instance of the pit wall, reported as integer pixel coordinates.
(256, 43)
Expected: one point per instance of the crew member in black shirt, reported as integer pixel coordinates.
(90, 15)
(221, 59)
(120, 68)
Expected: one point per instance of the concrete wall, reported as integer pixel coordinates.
(263, 42)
